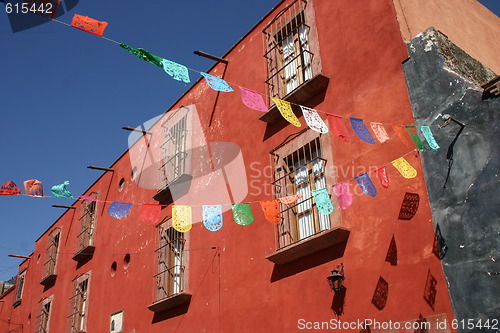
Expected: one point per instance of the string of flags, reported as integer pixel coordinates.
(242, 212)
(255, 101)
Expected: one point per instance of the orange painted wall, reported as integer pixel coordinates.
(467, 23)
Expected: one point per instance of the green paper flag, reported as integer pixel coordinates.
(412, 130)
(242, 213)
(144, 55)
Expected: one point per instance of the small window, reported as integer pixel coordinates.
(288, 54)
(174, 149)
(79, 304)
(299, 172)
(20, 287)
(43, 319)
(169, 279)
(50, 264)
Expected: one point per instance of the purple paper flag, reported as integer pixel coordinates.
(366, 185)
(118, 210)
(361, 130)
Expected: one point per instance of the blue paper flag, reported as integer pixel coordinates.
(426, 131)
(366, 185)
(361, 130)
(323, 201)
(60, 191)
(176, 71)
(212, 217)
(216, 83)
(118, 210)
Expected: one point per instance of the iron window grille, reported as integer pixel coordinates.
(79, 304)
(42, 320)
(52, 249)
(299, 171)
(169, 279)
(20, 286)
(288, 54)
(87, 224)
(174, 162)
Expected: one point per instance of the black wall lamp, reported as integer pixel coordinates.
(337, 278)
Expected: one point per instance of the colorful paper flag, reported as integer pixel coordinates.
(366, 185)
(33, 188)
(401, 133)
(88, 24)
(404, 168)
(361, 130)
(182, 219)
(216, 83)
(290, 200)
(176, 71)
(343, 194)
(150, 213)
(409, 207)
(286, 111)
(271, 210)
(338, 127)
(242, 213)
(144, 55)
(119, 210)
(60, 191)
(253, 100)
(426, 131)
(380, 132)
(212, 217)
(89, 198)
(10, 188)
(412, 130)
(323, 202)
(383, 176)
(313, 120)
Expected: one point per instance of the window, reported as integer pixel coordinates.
(170, 264)
(43, 319)
(20, 287)
(300, 166)
(79, 304)
(50, 264)
(288, 52)
(85, 239)
(174, 149)
(300, 172)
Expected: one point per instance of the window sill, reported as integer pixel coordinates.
(49, 279)
(301, 94)
(309, 245)
(170, 302)
(84, 253)
(165, 194)
(16, 303)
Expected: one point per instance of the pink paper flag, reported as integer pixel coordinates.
(343, 194)
(253, 100)
(380, 132)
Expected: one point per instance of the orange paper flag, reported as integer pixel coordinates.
(88, 24)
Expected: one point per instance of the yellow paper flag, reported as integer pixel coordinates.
(181, 218)
(404, 168)
(286, 111)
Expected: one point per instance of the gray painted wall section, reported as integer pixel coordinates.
(468, 209)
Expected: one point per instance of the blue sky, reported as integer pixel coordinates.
(65, 94)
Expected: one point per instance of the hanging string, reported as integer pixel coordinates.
(262, 94)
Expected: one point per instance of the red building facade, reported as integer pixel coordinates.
(90, 272)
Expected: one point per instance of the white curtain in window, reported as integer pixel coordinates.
(291, 80)
(306, 56)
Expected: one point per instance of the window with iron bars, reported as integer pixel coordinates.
(51, 252)
(20, 286)
(288, 53)
(299, 170)
(42, 320)
(87, 223)
(169, 279)
(79, 304)
(174, 160)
